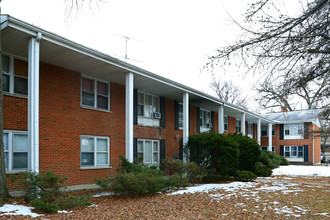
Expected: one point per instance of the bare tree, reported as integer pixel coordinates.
(228, 92)
(294, 48)
(280, 92)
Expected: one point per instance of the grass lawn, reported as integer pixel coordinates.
(277, 197)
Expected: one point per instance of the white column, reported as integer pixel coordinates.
(221, 120)
(259, 131)
(129, 116)
(33, 101)
(185, 123)
(243, 124)
(270, 137)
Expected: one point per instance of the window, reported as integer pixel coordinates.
(294, 151)
(265, 148)
(250, 130)
(180, 118)
(205, 118)
(95, 93)
(238, 125)
(226, 123)
(14, 83)
(264, 130)
(149, 151)
(294, 129)
(94, 151)
(16, 150)
(147, 105)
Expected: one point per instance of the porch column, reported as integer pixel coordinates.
(185, 124)
(270, 137)
(243, 124)
(129, 116)
(221, 120)
(259, 131)
(33, 102)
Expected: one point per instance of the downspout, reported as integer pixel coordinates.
(313, 142)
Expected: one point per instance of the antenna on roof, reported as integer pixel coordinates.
(126, 38)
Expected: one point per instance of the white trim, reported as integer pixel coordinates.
(129, 92)
(185, 124)
(270, 136)
(226, 116)
(243, 124)
(151, 163)
(221, 120)
(259, 131)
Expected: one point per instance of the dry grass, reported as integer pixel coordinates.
(276, 198)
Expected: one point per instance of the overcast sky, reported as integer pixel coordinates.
(172, 38)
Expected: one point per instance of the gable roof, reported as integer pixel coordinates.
(295, 116)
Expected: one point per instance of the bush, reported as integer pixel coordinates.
(135, 180)
(44, 193)
(284, 162)
(266, 160)
(245, 175)
(214, 152)
(261, 169)
(173, 166)
(249, 152)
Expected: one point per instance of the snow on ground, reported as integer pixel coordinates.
(104, 194)
(14, 209)
(296, 170)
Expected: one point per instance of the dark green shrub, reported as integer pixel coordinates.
(265, 159)
(284, 162)
(173, 166)
(249, 152)
(44, 191)
(245, 175)
(214, 152)
(44, 206)
(261, 169)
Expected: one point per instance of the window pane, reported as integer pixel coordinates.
(102, 145)
(87, 144)
(148, 100)
(5, 63)
(102, 102)
(87, 85)
(147, 152)
(87, 159)
(102, 158)
(140, 146)
(294, 129)
(102, 88)
(6, 160)
(140, 155)
(226, 127)
(287, 154)
(21, 85)
(141, 98)
(180, 119)
(155, 157)
(88, 98)
(155, 104)
(294, 151)
(155, 146)
(300, 128)
(20, 143)
(20, 160)
(5, 82)
(148, 111)
(226, 120)
(5, 141)
(140, 110)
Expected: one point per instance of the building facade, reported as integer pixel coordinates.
(74, 110)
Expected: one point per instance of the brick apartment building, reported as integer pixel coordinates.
(74, 110)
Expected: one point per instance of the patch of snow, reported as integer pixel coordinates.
(104, 194)
(9, 209)
(323, 214)
(297, 170)
(63, 211)
(205, 188)
(93, 205)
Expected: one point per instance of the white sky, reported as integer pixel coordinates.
(170, 38)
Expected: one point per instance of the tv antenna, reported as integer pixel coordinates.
(126, 38)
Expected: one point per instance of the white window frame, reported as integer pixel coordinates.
(10, 151)
(95, 151)
(143, 141)
(293, 130)
(238, 125)
(286, 147)
(204, 121)
(11, 75)
(225, 122)
(250, 130)
(263, 129)
(152, 105)
(95, 80)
